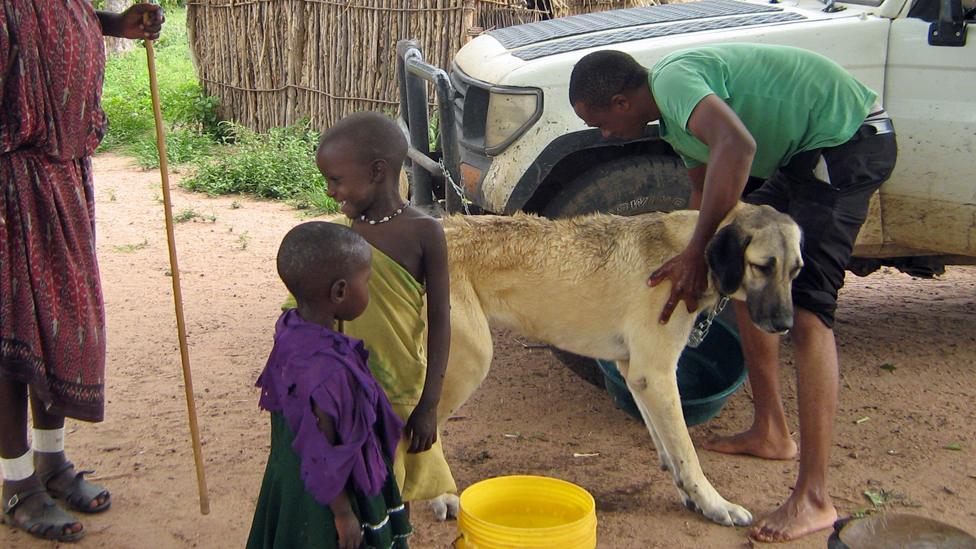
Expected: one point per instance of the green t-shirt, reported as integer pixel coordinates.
(790, 100)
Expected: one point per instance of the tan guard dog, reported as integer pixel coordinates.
(580, 284)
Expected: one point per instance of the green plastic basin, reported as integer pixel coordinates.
(707, 375)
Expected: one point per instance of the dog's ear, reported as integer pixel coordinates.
(726, 257)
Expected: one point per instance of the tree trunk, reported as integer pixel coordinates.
(115, 46)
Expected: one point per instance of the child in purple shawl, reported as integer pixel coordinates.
(328, 482)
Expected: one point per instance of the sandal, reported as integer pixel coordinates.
(80, 493)
(52, 519)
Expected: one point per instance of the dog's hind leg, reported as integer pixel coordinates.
(471, 349)
(467, 367)
(652, 379)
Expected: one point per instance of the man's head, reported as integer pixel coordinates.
(359, 156)
(609, 91)
(326, 266)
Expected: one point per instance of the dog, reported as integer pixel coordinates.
(580, 285)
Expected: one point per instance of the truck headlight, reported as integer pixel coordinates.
(511, 111)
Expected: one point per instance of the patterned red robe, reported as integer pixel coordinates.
(52, 322)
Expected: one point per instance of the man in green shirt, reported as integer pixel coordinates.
(816, 136)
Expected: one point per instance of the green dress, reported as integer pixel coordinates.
(287, 516)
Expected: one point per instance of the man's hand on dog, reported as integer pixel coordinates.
(421, 428)
(688, 274)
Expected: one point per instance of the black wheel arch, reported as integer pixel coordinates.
(566, 156)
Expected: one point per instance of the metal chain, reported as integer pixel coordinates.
(700, 330)
(457, 188)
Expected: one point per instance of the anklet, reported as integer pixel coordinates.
(48, 440)
(17, 468)
(387, 218)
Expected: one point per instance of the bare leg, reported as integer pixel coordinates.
(809, 509)
(13, 443)
(45, 462)
(769, 436)
(13, 418)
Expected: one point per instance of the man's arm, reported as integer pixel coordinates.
(731, 149)
(422, 424)
(697, 177)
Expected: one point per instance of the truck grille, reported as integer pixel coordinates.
(470, 109)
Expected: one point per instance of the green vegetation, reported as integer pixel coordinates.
(190, 116)
(277, 164)
(128, 248)
(167, 4)
(189, 214)
(223, 157)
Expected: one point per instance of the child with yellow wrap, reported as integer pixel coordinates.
(361, 157)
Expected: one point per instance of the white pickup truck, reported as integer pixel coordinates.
(510, 140)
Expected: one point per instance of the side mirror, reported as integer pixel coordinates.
(950, 29)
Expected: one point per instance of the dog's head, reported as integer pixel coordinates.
(755, 257)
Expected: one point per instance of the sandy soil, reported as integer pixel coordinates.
(530, 416)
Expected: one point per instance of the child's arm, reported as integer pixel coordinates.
(347, 524)
(422, 425)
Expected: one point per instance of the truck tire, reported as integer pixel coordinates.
(630, 185)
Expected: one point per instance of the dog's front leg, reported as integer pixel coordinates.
(624, 366)
(653, 383)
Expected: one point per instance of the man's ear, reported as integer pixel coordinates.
(726, 257)
(620, 102)
(337, 292)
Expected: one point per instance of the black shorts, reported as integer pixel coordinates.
(829, 214)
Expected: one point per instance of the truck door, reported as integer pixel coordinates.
(930, 201)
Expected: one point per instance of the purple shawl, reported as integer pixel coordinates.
(311, 362)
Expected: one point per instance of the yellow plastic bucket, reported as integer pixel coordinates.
(526, 512)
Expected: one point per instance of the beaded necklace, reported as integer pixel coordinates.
(386, 218)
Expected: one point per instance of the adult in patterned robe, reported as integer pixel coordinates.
(52, 324)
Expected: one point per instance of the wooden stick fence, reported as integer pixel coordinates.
(275, 62)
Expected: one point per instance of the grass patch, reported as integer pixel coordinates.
(129, 248)
(182, 146)
(189, 214)
(190, 116)
(315, 201)
(226, 158)
(277, 164)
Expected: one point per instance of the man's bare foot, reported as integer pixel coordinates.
(753, 443)
(800, 516)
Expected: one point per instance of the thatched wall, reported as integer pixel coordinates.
(274, 62)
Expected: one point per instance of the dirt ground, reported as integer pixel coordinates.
(906, 431)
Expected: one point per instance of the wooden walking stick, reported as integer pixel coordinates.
(191, 408)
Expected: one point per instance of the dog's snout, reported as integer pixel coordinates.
(773, 320)
(783, 325)
(774, 326)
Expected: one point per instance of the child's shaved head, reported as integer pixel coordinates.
(373, 135)
(313, 255)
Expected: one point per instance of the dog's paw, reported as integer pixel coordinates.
(444, 506)
(453, 505)
(727, 513)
